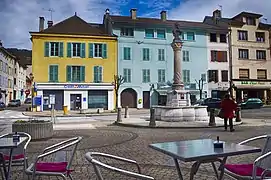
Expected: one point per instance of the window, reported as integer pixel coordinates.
(54, 48)
(261, 74)
(161, 54)
(161, 75)
(243, 73)
(242, 35)
(190, 36)
(161, 34)
(98, 50)
(223, 38)
(127, 53)
(53, 73)
(127, 75)
(76, 49)
(146, 54)
(213, 76)
(14, 81)
(149, 33)
(213, 37)
(243, 54)
(186, 56)
(98, 74)
(203, 77)
(250, 21)
(127, 32)
(260, 36)
(75, 73)
(261, 55)
(219, 56)
(146, 75)
(186, 76)
(224, 76)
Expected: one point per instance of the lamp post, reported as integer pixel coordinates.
(31, 78)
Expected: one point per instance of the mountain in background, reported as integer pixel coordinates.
(24, 55)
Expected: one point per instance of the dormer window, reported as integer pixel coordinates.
(250, 21)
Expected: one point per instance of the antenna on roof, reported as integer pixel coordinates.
(265, 19)
(51, 12)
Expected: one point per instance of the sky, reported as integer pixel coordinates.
(18, 17)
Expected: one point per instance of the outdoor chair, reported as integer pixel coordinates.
(96, 164)
(259, 169)
(60, 168)
(19, 157)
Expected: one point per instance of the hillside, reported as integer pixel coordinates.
(24, 55)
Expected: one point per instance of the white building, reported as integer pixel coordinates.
(19, 81)
(3, 75)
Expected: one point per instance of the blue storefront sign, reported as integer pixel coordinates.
(37, 100)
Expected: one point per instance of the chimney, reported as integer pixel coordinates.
(50, 23)
(217, 14)
(133, 13)
(163, 15)
(1, 44)
(108, 22)
(41, 26)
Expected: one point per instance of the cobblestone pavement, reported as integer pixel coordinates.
(133, 143)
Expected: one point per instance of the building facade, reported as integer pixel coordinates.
(4, 58)
(19, 81)
(145, 57)
(75, 62)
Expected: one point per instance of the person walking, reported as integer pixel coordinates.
(228, 106)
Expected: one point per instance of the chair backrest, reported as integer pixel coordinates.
(266, 163)
(96, 164)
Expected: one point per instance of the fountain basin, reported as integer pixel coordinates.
(177, 114)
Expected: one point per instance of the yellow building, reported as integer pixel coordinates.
(74, 61)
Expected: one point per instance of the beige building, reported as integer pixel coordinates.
(249, 49)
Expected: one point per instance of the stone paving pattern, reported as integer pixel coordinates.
(133, 143)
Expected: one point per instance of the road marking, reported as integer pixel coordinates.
(73, 126)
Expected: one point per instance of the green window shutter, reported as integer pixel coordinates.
(104, 53)
(69, 50)
(90, 53)
(100, 74)
(46, 49)
(95, 73)
(82, 73)
(69, 73)
(60, 49)
(83, 52)
(56, 73)
(51, 73)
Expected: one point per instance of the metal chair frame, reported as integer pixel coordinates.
(96, 164)
(16, 162)
(257, 162)
(31, 170)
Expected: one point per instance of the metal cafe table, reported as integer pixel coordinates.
(7, 142)
(202, 151)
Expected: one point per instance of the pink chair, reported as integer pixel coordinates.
(259, 169)
(61, 168)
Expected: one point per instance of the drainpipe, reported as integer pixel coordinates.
(230, 63)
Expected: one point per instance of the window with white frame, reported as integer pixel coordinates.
(98, 50)
(161, 54)
(161, 75)
(127, 75)
(146, 76)
(54, 48)
(76, 49)
(186, 56)
(186, 76)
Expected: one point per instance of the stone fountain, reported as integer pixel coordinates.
(178, 107)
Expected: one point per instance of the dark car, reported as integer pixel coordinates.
(2, 106)
(209, 102)
(251, 103)
(27, 101)
(14, 103)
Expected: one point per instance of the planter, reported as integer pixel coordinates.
(37, 130)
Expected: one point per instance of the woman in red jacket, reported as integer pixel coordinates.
(228, 106)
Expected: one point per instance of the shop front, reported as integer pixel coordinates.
(218, 90)
(76, 96)
(246, 89)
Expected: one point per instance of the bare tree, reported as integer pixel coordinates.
(118, 81)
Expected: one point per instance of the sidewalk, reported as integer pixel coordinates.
(144, 123)
(77, 113)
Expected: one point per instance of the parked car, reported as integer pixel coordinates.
(14, 103)
(2, 106)
(209, 102)
(27, 101)
(251, 103)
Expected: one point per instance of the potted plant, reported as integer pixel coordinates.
(38, 129)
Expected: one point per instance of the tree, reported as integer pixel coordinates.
(118, 81)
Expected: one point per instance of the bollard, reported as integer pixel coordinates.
(212, 117)
(119, 115)
(126, 114)
(238, 115)
(152, 118)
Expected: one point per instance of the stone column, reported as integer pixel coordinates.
(177, 79)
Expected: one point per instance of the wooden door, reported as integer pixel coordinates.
(146, 99)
